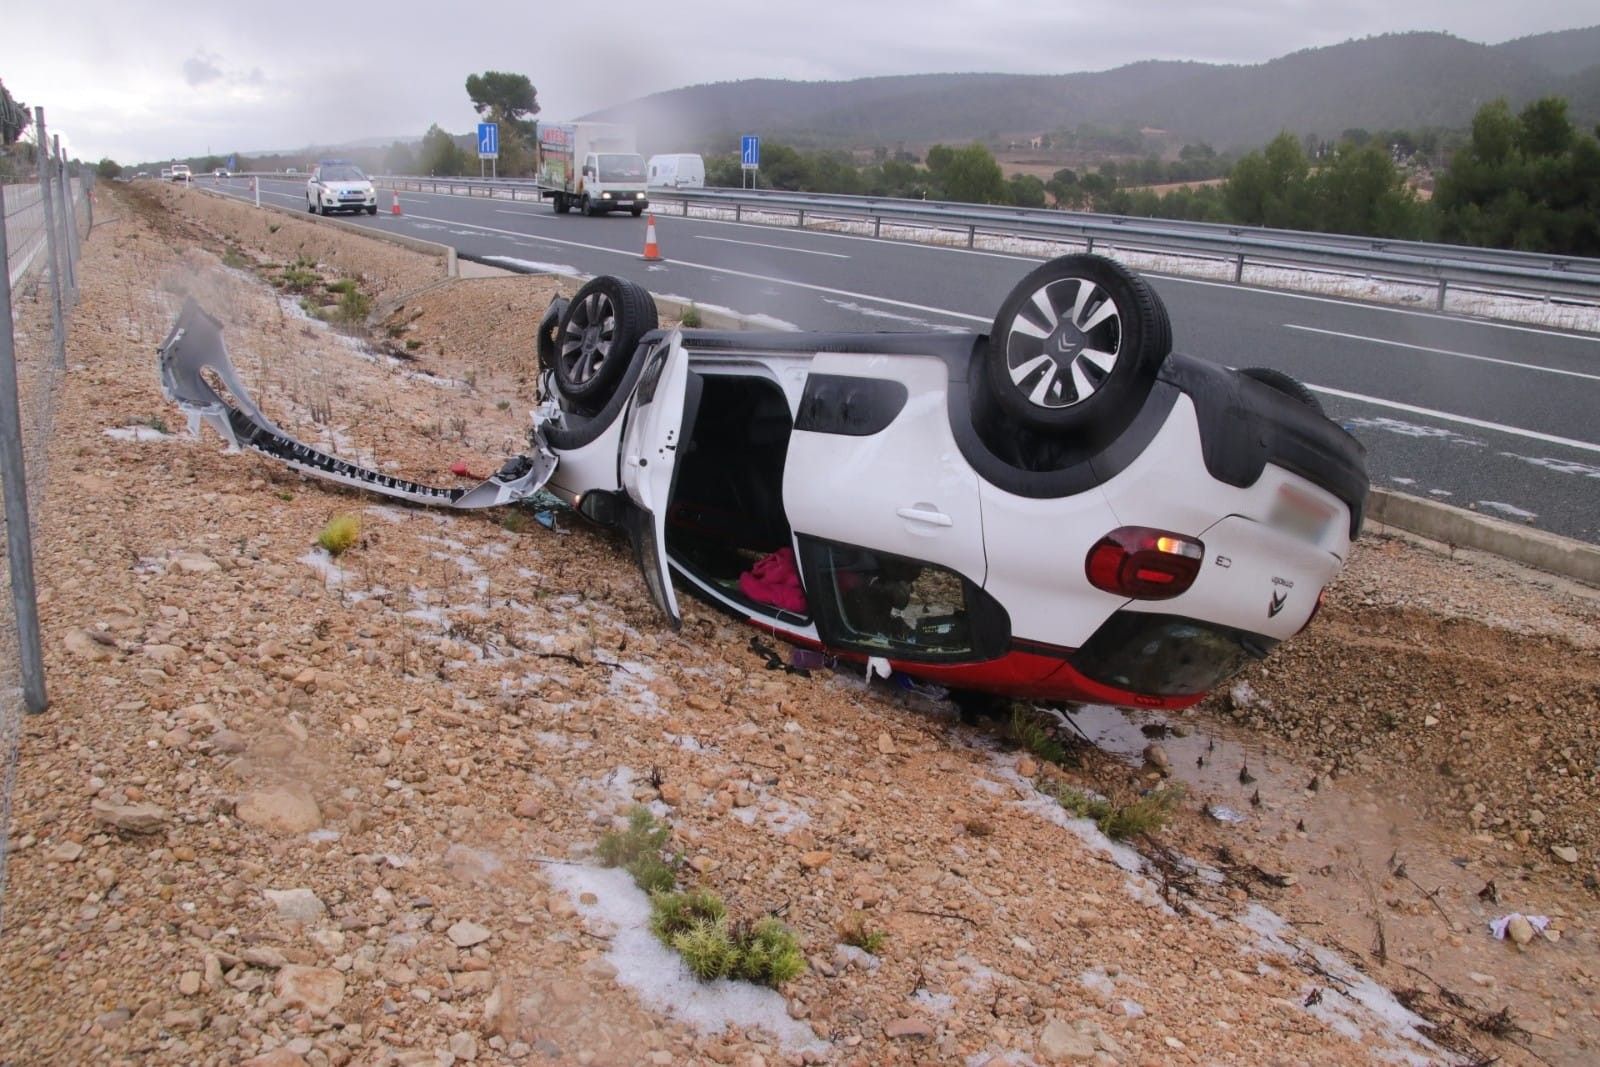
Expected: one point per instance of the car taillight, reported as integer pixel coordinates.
(1321, 596)
(1144, 564)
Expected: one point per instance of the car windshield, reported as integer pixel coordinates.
(342, 173)
(619, 167)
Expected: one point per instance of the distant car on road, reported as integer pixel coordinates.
(338, 185)
(166, 174)
(682, 171)
(220, 172)
(181, 173)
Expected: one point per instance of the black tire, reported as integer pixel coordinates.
(326, 211)
(373, 210)
(587, 207)
(562, 204)
(599, 331)
(637, 211)
(1283, 383)
(549, 325)
(1076, 344)
(311, 207)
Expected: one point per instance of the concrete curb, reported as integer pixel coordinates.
(1451, 525)
(447, 253)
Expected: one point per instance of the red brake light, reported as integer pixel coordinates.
(1144, 564)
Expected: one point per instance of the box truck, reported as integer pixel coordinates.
(680, 171)
(591, 166)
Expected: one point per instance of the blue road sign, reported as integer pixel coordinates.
(750, 151)
(488, 140)
(233, 162)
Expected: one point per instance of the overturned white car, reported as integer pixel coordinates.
(1060, 509)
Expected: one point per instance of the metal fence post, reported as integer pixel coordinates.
(1440, 304)
(52, 239)
(1238, 267)
(19, 543)
(69, 219)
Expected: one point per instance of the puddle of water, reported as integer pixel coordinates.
(1367, 861)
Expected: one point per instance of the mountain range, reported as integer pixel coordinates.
(1395, 81)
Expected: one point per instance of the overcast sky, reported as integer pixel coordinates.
(138, 80)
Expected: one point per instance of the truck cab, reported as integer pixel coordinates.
(612, 181)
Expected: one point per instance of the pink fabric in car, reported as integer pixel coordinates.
(775, 580)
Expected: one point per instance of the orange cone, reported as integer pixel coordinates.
(652, 251)
(394, 205)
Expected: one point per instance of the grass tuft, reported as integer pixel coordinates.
(695, 925)
(341, 534)
(855, 931)
(640, 850)
(1030, 731)
(354, 306)
(690, 318)
(1147, 815)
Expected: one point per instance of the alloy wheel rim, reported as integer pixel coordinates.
(1064, 343)
(587, 338)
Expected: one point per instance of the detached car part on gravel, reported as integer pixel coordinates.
(1060, 509)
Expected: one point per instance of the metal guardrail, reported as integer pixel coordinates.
(1439, 265)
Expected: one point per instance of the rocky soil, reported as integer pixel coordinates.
(289, 809)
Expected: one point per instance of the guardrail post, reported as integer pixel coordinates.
(1440, 304)
(801, 224)
(1238, 268)
(738, 211)
(972, 236)
(1090, 247)
(52, 240)
(877, 225)
(19, 543)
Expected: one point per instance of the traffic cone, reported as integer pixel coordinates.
(394, 205)
(652, 251)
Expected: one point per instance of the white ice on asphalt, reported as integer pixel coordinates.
(620, 911)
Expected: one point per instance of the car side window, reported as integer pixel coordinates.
(903, 608)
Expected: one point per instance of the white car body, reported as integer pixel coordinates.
(181, 173)
(338, 186)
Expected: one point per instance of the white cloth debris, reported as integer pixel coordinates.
(1497, 927)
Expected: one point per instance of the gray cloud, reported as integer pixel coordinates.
(198, 69)
(122, 78)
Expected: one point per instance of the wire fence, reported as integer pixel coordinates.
(46, 212)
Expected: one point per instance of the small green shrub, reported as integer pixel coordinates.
(342, 286)
(502, 405)
(672, 914)
(298, 279)
(768, 954)
(707, 950)
(1146, 815)
(341, 534)
(1028, 729)
(639, 849)
(273, 227)
(695, 925)
(690, 319)
(413, 344)
(855, 931)
(354, 306)
(155, 422)
(515, 521)
(232, 258)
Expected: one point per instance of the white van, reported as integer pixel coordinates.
(678, 171)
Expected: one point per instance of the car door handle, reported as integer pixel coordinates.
(930, 516)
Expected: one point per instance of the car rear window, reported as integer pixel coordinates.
(1167, 655)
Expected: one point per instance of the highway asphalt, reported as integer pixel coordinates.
(1502, 418)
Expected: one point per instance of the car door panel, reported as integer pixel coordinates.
(903, 489)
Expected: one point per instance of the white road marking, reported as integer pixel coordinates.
(780, 248)
(719, 270)
(1464, 420)
(1441, 351)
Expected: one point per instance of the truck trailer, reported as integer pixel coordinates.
(591, 166)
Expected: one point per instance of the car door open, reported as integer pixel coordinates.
(658, 423)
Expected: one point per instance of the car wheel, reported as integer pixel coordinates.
(599, 331)
(1283, 383)
(326, 210)
(373, 210)
(586, 208)
(637, 211)
(311, 207)
(561, 204)
(1078, 340)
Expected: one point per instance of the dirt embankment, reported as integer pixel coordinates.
(340, 811)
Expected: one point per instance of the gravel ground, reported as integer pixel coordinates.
(331, 812)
